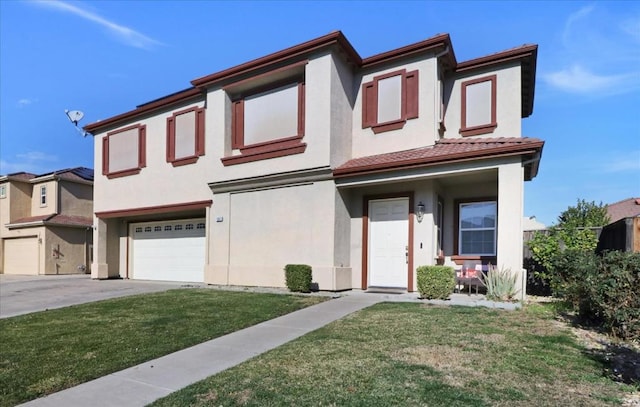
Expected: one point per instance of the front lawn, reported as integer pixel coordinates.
(48, 351)
(407, 354)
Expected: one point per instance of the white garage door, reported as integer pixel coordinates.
(168, 251)
(21, 256)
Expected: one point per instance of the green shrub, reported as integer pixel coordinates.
(500, 283)
(298, 277)
(603, 290)
(611, 294)
(436, 282)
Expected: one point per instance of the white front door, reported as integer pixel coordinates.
(388, 242)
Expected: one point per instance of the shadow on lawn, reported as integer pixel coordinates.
(620, 362)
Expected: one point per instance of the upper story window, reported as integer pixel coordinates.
(268, 122)
(185, 136)
(3, 191)
(43, 195)
(477, 228)
(479, 106)
(124, 151)
(390, 100)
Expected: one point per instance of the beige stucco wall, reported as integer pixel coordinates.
(508, 101)
(417, 132)
(66, 250)
(76, 199)
(52, 199)
(260, 231)
(159, 183)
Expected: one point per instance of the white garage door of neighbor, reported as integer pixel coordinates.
(168, 251)
(21, 256)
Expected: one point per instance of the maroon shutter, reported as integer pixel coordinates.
(301, 113)
(369, 105)
(142, 146)
(237, 125)
(411, 86)
(200, 132)
(171, 139)
(105, 155)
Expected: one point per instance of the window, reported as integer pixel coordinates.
(3, 191)
(43, 195)
(167, 228)
(479, 106)
(188, 226)
(147, 229)
(185, 136)
(157, 229)
(200, 226)
(124, 151)
(477, 228)
(138, 230)
(390, 100)
(439, 225)
(178, 227)
(268, 121)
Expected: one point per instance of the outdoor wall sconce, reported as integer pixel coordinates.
(420, 212)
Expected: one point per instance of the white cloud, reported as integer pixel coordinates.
(24, 102)
(577, 79)
(35, 162)
(599, 55)
(629, 162)
(127, 35)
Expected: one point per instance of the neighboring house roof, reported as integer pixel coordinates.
(627, 208)
(18, 176)
(51, 220)
(69, 174)
(526, 54)
(78, 174)
(446, 151)
(531, 223)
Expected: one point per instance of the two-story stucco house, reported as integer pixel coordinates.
(46, 222)
(363, 168)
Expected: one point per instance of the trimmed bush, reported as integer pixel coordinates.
(298, 277)
(436, 282)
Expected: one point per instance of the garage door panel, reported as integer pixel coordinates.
(168, 251)
(21, 256)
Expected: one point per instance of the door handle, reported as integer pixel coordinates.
(406, 253)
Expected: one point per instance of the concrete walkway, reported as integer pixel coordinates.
(149, 381)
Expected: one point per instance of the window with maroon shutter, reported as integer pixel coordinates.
(389, 100)
(124, 151)
(478, 108)
(185, 136)
(268, 120)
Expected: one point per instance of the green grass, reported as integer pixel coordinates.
(406, 354)
(45, 352)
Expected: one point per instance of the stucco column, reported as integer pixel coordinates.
(217, 267)
(99, 267)
(510, 213)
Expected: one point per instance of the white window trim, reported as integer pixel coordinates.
(461, 229)
(43, 196)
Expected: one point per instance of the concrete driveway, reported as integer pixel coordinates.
(24, 294)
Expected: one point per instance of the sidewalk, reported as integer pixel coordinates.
(149, 381)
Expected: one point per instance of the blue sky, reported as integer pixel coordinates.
(104, 58)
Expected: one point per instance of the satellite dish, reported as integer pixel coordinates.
(74, 115)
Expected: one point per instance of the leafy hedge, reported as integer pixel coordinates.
(298, 277)
(603, 289)
(435, 282)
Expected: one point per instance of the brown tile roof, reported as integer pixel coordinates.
(53, 220)
(20, 176)
(627, 208)
(443, 152)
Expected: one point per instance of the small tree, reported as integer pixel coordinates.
(573, 232)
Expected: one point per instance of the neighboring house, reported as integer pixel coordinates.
(623, 230)
(363, 168)
(530, 223)
(46, 222)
